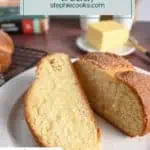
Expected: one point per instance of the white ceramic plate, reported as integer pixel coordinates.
(14, 131)
(83, 44)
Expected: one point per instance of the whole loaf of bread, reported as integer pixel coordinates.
(6, 51)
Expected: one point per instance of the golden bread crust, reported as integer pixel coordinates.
(108, 61)
(6, 43)
(140, 83)
(5, 61)
(6, 51)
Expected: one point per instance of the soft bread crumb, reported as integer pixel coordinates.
(56, 109)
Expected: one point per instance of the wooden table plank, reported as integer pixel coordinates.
(63, 33)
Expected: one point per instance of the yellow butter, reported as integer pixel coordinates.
(107, 35)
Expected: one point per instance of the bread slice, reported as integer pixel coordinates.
(56, 108)
(116, 92)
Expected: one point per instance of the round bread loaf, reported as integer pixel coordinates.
(6, 51)
(6, 43)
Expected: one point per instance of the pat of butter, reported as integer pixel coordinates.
(107, 35)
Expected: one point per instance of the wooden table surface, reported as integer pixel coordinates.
(63, 33)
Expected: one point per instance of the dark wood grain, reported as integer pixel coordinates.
(63, 33)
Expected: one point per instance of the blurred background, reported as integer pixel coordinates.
(9, 11)
(143, 12)
(11, 22)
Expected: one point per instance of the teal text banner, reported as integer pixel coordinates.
(78, 7)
